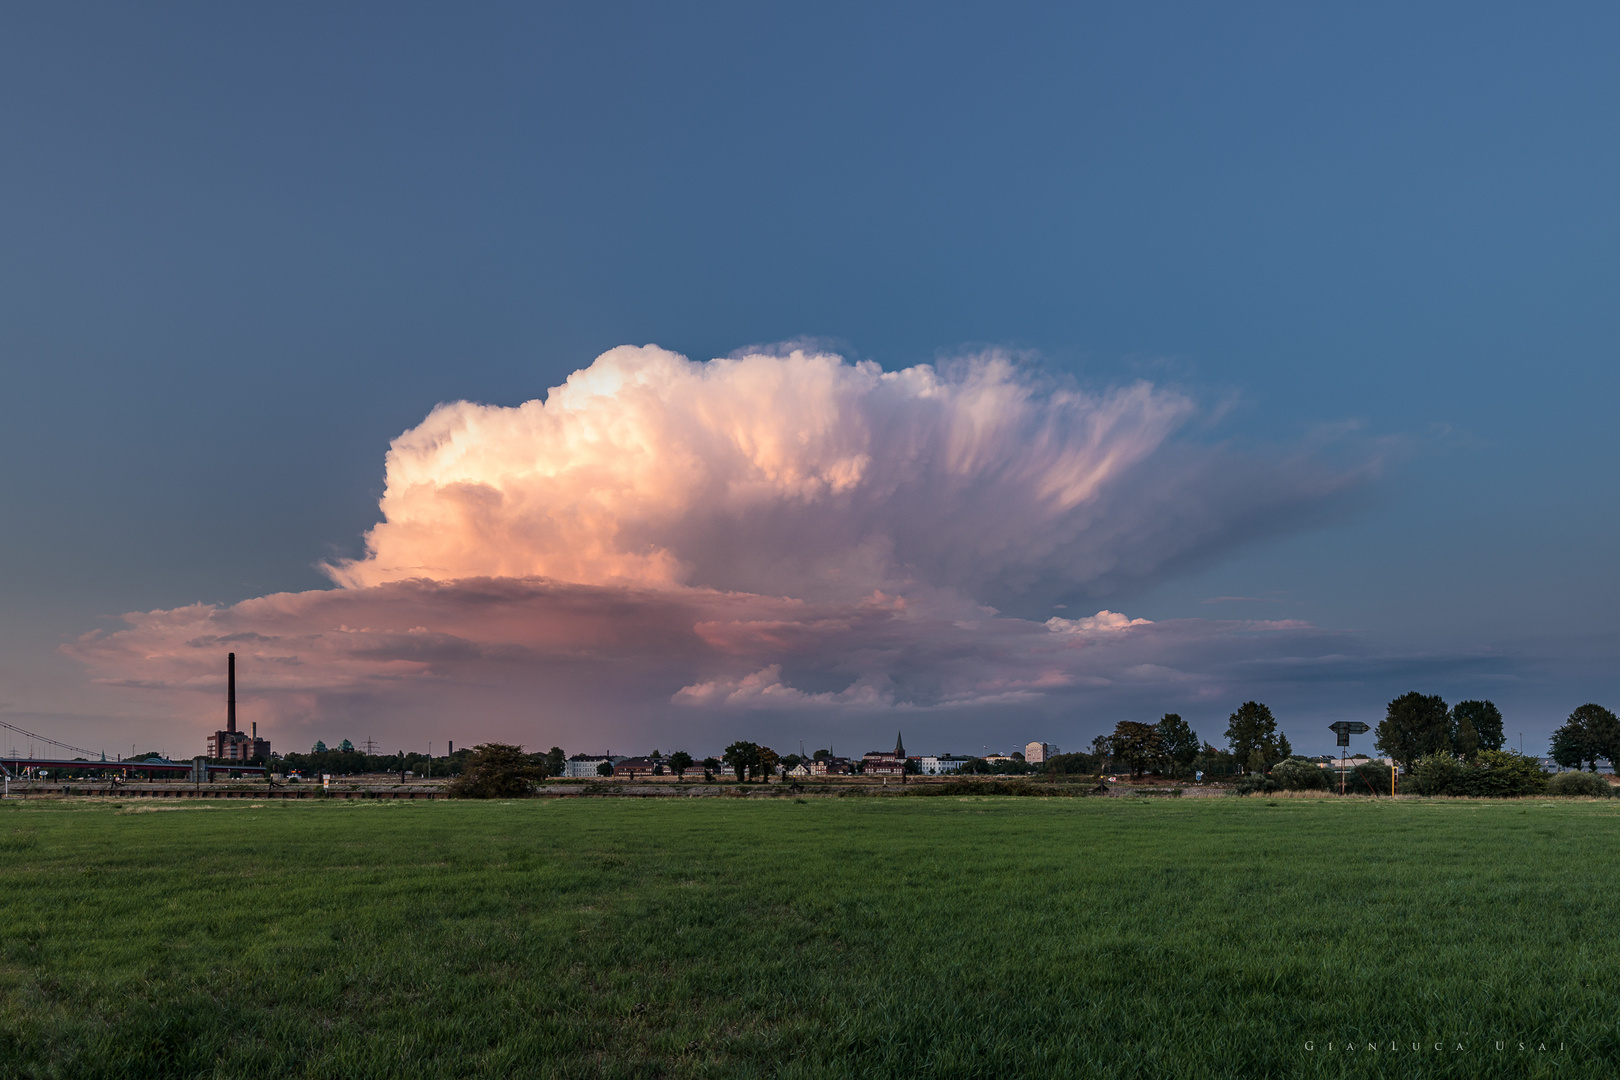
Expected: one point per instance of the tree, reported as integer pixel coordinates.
(496, 771)
(821, 755)
(556, 762)
(1077, 763)
(679, 762)
(1484, 717)
(768, 762)
(1179, 741)
(1414, 725)
(605, 769)
(1252, 728)
(710, 765)
(1591, 732)
(740, 757)
(1102, 750)
(1137, 745)
(1464, 736)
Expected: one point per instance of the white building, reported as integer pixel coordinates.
(941, 763)
(1353, 760)
(580, 766)
(1037, 752)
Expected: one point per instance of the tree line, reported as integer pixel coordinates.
(1455, 750)
(1170, 747)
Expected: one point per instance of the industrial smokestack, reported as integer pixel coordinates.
(230, 695)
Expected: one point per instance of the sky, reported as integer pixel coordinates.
(624, 376)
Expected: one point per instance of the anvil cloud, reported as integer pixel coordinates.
(660, 540)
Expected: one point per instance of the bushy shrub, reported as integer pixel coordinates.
(1491, 774)
(1579, 783)
(496, 771)
(1297, 774)
(1503, 773)
(1369, 777)
(1254, 784)
(1434, 774)
(1070, 764)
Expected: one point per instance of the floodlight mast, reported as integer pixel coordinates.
(1344, 729)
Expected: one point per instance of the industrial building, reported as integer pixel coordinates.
(230, 744)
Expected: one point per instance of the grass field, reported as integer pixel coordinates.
(828, 937)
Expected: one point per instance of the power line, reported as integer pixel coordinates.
(42, 738)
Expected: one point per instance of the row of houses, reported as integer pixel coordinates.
(883, 763)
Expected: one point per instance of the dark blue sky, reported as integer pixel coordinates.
(243, 249)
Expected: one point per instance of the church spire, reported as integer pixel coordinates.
(899, 747)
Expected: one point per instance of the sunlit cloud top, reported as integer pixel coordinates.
(797, 474)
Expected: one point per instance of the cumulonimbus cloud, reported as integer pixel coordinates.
(783, 532)
(808, 476)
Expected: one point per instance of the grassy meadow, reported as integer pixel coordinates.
(939, 937)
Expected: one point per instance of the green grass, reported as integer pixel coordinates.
(853, 937)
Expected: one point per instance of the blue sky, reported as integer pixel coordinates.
(246, 249)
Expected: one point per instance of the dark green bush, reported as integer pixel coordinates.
(1491, 774)
(1254, 784)
(1433, 774)
(1298, 774)
(1070, 764)
(496, 771)
(1579, 783)
(1368, 778)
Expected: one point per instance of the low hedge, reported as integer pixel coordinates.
(1579, 783)
(992, 787)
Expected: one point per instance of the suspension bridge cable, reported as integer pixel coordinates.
(44, 739)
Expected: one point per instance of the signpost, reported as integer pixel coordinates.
(1344, 729)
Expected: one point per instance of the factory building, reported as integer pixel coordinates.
(230, 744)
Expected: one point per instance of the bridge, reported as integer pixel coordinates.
(149, 769)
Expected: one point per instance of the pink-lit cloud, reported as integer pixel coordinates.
(660, 542)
